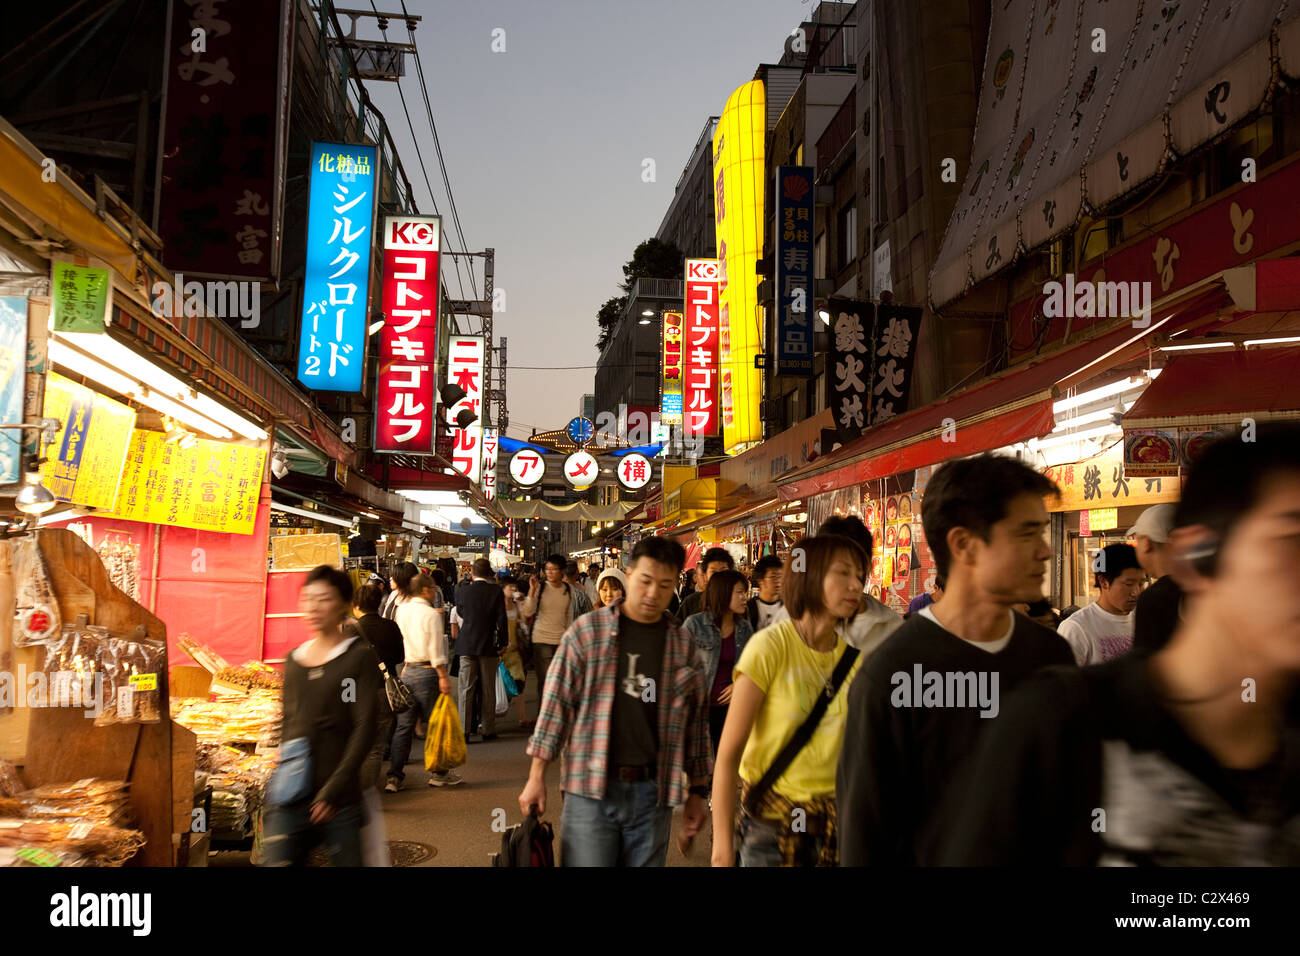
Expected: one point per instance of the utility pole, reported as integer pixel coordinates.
(489, 273)
(503, 417)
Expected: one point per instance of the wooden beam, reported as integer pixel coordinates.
(79, 144)
(73, 110)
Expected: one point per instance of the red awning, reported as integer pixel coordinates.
(1012, 406)
(1218, 386)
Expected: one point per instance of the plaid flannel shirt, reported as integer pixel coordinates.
(578, 704)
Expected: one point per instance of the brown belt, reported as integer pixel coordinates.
(634, 774)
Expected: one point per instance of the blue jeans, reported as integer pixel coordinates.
(423, 682)
(627, 828)
(290, 835)
(760, 845)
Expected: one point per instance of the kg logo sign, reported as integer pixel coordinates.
(702, 270)
(417, 233)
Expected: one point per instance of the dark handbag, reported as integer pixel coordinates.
(400, 698)
(802, 735)
(531, 843)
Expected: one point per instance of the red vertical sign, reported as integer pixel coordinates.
(408, 344)
(700, 352)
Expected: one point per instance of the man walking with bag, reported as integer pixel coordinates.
(556, 605)
(483, 631)
(626, 700)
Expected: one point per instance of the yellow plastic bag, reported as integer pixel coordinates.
(444, 741)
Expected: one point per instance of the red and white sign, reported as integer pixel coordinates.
(581, 470)
(489, 463)
(408, 344)
(634, 471)
(700, 385)
(527, 467)
(465, 368)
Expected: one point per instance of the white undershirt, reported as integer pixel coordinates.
(300, 651)
(989, 647)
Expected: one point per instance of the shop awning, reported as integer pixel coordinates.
(716, 520)
(1219, 387)
(1012, 406)
(580, 511)
(1063, 130)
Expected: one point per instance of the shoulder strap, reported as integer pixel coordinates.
(803, 734)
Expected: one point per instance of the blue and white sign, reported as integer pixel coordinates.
(13, 383)
(794, 270)
(336, 287)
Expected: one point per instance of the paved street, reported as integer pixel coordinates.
(457, 821)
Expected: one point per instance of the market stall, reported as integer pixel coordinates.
(92, 769)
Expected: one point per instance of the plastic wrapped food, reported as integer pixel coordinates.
(10, 785)
(132, 671)
(36, 610)
(72, 667)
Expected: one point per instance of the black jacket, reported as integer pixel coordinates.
(386, 638)
(340, 725)
(484, 626)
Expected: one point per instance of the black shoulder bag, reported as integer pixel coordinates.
(802, 735)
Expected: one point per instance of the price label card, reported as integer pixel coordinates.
(144, 681)
(37, 856)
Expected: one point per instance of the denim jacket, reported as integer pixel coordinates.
(708, 639)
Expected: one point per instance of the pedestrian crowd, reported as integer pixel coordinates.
(812, 725)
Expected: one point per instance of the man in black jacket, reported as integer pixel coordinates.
(484, 630)
(921, 701)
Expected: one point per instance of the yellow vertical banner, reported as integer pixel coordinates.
(85, 462)
(738, 163)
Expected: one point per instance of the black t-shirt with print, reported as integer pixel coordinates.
(634, 730)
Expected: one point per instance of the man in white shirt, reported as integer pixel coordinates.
(1103, 630)
(425, 671)
(768, 576)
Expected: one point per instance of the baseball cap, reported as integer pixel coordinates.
(1156, 523)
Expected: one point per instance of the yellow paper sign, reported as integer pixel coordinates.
(212, 486)
(144, 681)
(1101, 483)
(1103, 519)
(85, 461)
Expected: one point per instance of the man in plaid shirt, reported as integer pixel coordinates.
(626, 700)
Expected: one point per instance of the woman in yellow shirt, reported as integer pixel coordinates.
(781, 673)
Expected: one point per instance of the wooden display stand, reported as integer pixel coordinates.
(58, 744)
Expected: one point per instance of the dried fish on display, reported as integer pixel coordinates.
(37, 610)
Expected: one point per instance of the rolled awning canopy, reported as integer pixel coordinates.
(1220, 388)
(575, 512)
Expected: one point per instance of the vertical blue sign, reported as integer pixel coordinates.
(13, 383)
(794, 270)
(336, 287)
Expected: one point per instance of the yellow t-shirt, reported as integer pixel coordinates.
(791, 675)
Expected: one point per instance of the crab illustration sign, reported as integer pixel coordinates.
(580, 469)
(634, 471)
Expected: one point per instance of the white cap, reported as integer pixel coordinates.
(1156, 523)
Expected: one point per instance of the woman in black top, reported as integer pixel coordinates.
(331, 685)
(386, 639)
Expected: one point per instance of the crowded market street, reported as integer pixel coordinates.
(688, 435)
